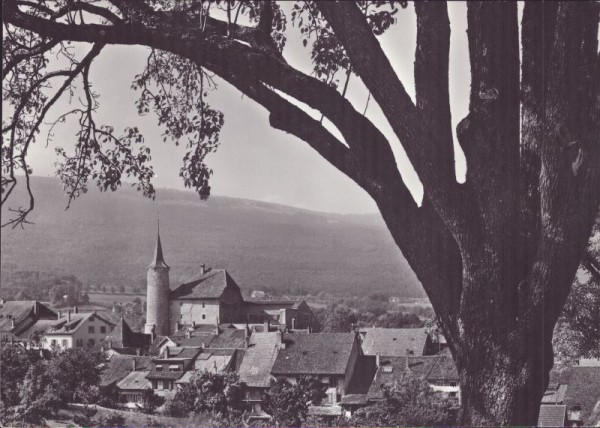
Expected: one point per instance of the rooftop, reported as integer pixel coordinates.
(393, 342)
(119, 366)
(315, 353)
(211, 285)
(70, 324)
(135, 381)
(552, 416)
(393, 369)
(255, 369)
(19, 310)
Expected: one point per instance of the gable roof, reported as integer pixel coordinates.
(119, 366)
(433, 368)
(211, 285)
(552, 416)
(135, 381)
(393, 342)
(19, 310)
(314, 353)
(66, 326)
(255, 368)
(229, 338)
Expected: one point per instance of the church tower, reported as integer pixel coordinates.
(157, 294)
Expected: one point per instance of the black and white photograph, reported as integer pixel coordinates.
(300, 213)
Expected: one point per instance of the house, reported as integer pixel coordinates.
(119, 366)
(438, 370)
(123, 340)
(582, 394)
(170, 367)
(294, 315)
(213, 298)
(133, 389)
(553, 415)
(18, 317)
(330, 357)
(77, 330)
(255, 368)
(394, 342)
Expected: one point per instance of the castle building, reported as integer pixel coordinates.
(212, 299)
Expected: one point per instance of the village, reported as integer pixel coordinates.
(207, 327)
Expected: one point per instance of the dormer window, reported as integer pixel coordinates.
(159, 368)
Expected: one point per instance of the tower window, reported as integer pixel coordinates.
(203, 316)
(202, 304)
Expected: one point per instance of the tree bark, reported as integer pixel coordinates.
(496, 255)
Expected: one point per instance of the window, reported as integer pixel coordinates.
(203, 316)
(91, 342)
(202, 304)
(102, 329)
(79, 343)
(64, 343)
(452, 383)
(91, 329)
(453, 394)
(53, 342)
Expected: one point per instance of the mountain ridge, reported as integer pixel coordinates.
(108, 238)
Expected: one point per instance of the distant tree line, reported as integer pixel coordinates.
(60, 290)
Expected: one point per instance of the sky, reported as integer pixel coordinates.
(255, 161)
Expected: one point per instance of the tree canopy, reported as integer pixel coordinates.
(496, 254)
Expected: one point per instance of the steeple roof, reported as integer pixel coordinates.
(158, 261)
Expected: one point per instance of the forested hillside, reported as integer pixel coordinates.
(108, 239)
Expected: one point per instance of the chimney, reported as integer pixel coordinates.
(408, 352)
(167, 353)
(35, 309)
(2, 301)
(177, 326)
(69, 315)
(188, 333)
(279, 336)
(59, 314)
(293, 323)
(377, 359)
(138, 351)
(193, 324)
(202, 269)
(134, 363)
(12, 323)
(267, 325)
(75, 310)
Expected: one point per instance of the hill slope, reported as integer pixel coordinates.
(109, 239)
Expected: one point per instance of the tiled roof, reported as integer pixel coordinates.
(363, 375)
(135, 381)
(393, 342)
(552, 416)
(583, 388)
(315, 353)
(19, 310)
(255, 369)
(166, 374)
(119, 366)
(230, 338)
(38, 326)
(66, 326)
(214, 362)
(179, 353)
(211, 285)
(393, 369)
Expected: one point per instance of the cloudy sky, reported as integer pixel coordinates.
(255, 161)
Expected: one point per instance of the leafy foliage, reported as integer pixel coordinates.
(35, 386)
(411, 402)
(219, 395)
(288, 403)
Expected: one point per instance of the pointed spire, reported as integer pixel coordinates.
(158, 260)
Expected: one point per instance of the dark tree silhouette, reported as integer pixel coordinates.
(497, 255)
